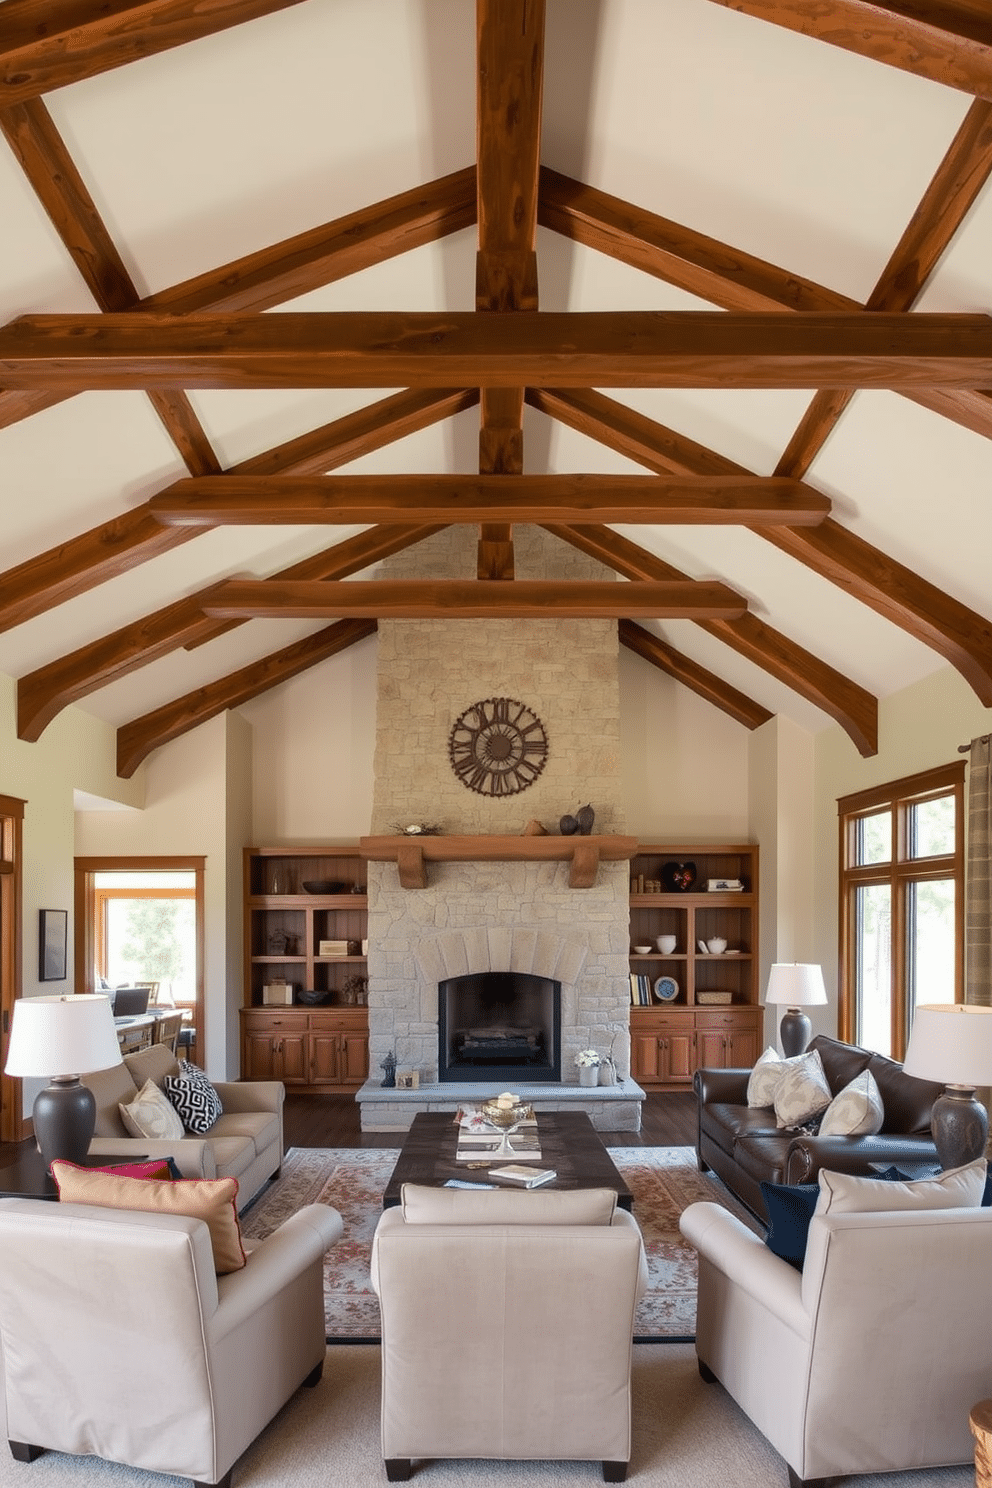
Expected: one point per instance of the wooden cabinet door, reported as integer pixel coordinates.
(711, 1045)
(742, 1048)
(645, 1057)
(680, 1054)
(260, 1057)
(354, 1057)
(325, 1057)
(276, 1056)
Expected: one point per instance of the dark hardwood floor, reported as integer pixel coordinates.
(334, 1121)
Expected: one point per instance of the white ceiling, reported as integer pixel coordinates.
(805, 155)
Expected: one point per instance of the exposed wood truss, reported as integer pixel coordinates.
(422, 349)
(210, 332)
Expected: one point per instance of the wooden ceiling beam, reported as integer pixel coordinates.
(698, 679)
(231, 500)
(959, 634)
(42, 694)
(52, 174)
(298, 265)
(702, 266)
(432, 349)
(949, 42)
(950, 195)
(48, 44)
(137, 739)
(470, 599)
(80, 563)
(509, 94)
(850, 705)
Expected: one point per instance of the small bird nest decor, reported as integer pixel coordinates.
(416, 829)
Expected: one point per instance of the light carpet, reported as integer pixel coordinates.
(663, 1180)
(686, 1435)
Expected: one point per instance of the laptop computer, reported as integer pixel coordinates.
(131, 1002)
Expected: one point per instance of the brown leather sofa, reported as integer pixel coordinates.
(745, 1148)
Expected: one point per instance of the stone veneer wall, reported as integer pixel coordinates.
(475, 915)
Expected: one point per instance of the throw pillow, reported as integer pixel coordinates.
(214, 1200)
(159, 1167)
(957, 1188)
(856, 1111)
(151, 1114)
(803, 1091)
(193, 1097)
(764, 1078)
(790, 1209)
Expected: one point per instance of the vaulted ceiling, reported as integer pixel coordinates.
(700, 286)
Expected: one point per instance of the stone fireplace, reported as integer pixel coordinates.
(486, 916)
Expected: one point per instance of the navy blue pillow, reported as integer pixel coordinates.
(790, 1209)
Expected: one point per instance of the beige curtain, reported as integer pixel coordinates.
(978, 877)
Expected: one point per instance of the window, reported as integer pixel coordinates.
(901, 904)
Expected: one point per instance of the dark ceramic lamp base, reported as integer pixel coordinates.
(64, 1120)
(794, 1031)
(959, 1126)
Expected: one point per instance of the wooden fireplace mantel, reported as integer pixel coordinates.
(412, 854)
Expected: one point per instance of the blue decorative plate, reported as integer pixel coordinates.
(666, 989)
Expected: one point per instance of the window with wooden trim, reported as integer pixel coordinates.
(901, 904)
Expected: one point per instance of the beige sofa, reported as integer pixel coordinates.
(488, 1296)
(245, 1142)
(137, 1352)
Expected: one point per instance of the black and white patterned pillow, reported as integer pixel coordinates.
(194, 1098)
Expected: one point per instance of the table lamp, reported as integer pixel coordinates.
(795, 985)
(952, 1043)
(59, 1038)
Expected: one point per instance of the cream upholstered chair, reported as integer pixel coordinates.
(119, 1341)
(507, 1323)
(869, 1359)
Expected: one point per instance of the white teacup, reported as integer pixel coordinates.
(717, 945)
(665, 944)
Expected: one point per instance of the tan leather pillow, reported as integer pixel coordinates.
(500, 1206)
(214, 1200)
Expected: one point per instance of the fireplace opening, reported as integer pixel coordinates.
(499, 1025)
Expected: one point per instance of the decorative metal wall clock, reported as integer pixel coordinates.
(498, 747)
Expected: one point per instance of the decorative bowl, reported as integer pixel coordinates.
(643, 950)
(503, 1116)
(717, 945)
(323, 886)
(666, 944)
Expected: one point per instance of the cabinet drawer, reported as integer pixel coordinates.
(343, 1022)
(270, 1022)
(728, 1018)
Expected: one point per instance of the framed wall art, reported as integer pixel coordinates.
(52, 931)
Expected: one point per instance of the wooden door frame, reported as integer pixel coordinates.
(11, 938)
(84, 906)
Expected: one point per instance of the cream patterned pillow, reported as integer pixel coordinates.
(152, 1114)
(803, 1091)
(856, 1111)
(764, 1078)
(957, 1188)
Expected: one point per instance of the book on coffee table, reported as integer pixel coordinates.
(525, 1177)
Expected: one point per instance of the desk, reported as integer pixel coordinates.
(157, 1026)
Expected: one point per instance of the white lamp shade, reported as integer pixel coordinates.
(951, 1044)
(56, 1036)
(795, 984)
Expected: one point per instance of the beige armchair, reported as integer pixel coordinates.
(867, 1361)
(507, 1323)
(119, 1341)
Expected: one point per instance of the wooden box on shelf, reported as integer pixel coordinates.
(704, 1009)
(302, 905)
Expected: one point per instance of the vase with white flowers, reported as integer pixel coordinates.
(588, 1063)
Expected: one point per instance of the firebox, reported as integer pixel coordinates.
(499, 1025)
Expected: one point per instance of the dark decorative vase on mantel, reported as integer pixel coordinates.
(678, 878)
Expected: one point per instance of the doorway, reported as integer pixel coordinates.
(11, 830)
(139, 922)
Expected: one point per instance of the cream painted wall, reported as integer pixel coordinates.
(196, 803)
(920, 727)
(313, 742)
(684, 763)
(76, 752)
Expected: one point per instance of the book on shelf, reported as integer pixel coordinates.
(526, 1177)
(640, 990)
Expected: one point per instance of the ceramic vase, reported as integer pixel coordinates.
(588, 1074)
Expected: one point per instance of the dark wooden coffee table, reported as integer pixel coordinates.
(569, 1143)
(28, 1177)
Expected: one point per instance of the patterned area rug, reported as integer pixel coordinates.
(663, 1180)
